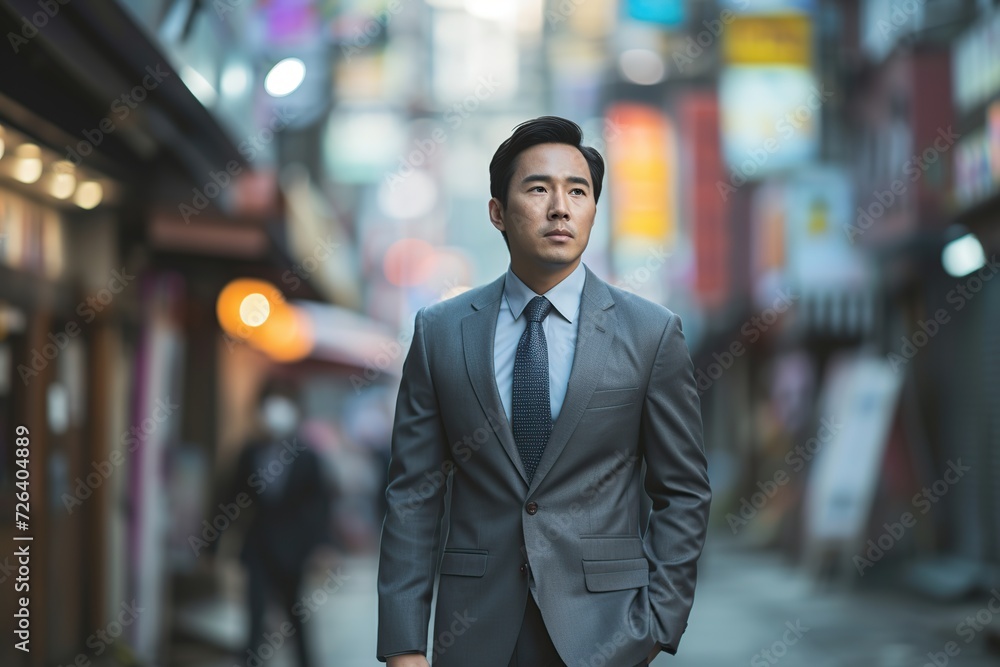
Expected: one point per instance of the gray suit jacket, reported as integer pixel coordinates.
(608, 585)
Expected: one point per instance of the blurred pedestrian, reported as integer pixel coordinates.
(290, 508)
(540, 396)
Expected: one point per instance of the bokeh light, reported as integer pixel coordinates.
(285, 77)
(406, 262)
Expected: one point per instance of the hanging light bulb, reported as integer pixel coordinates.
(88, 194)
(29, 163)
(63, 181)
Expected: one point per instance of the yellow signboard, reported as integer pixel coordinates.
(784, 39)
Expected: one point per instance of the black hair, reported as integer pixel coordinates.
(542, 130)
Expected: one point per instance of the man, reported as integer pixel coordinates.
(540, 395)
(289, 517)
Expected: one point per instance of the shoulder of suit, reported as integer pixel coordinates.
(458, 305)
(630, 303)
(461, 304)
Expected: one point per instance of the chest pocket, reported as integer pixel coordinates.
(613, 398)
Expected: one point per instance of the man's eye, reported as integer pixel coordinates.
(538, 188)
(578, 191)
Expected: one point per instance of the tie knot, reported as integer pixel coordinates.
(538, 308)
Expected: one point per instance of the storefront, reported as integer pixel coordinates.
(96, 128)
(55, 337)
(976, 163)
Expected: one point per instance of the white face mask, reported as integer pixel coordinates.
(279, 415)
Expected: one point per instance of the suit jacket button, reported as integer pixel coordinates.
(524, 568)
(532, 507)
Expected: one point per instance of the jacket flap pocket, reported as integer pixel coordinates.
(610, 548)
(616, 575)
(464, 563)
(607, 398)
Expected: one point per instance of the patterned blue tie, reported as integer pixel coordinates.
(532, 413)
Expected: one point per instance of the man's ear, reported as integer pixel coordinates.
(496, 214)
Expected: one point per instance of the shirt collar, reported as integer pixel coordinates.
(565, 297)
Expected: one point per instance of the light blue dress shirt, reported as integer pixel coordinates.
(560, 327)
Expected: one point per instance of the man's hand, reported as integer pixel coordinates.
(653, 654)
(407, 660)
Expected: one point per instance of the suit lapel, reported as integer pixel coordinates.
(597, 327)
(478, 330)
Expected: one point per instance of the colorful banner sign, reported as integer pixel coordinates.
(770, 120)
(641, 167)
(663, 12)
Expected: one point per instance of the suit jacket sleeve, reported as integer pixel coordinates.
(418, 470)
(677, 484)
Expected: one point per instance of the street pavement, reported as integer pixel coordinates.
(751, 608)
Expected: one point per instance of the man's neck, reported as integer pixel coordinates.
(540, 280)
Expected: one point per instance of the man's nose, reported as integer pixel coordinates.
(558, 208)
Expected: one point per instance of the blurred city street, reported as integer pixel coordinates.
(748, 603)
(262, 265)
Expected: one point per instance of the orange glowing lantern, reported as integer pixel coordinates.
(287, 335)
(244, 304)
(255, 311)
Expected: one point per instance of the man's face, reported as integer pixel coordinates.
(550, 207)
